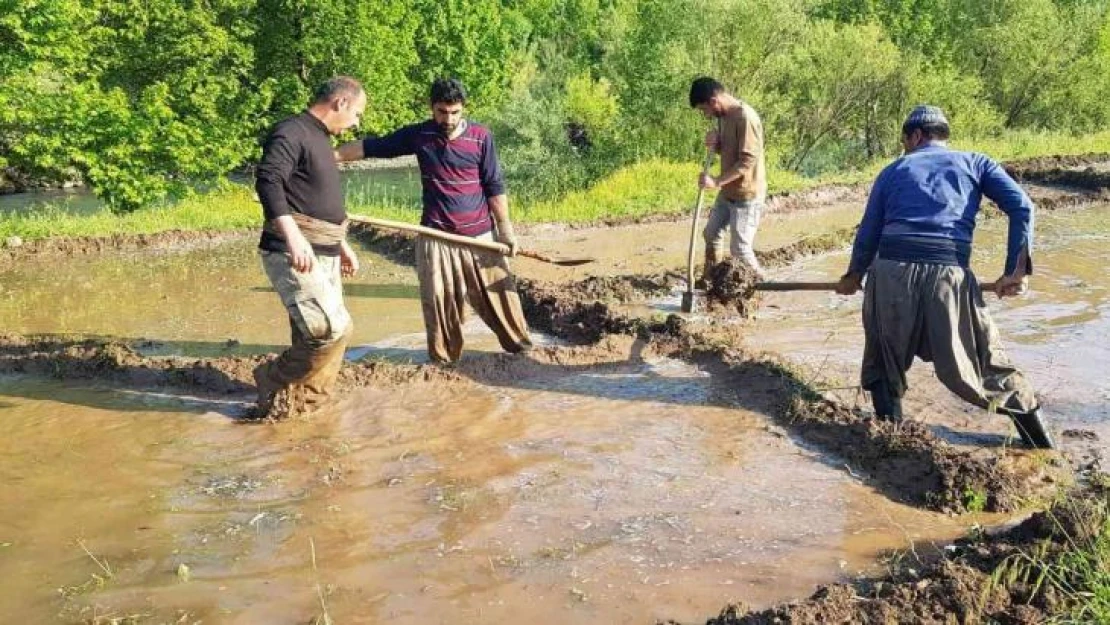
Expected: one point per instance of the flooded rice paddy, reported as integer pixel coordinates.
(625, 490)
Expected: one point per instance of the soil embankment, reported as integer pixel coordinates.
(1023, 575)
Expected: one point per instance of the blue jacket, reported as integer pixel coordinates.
(926, 201)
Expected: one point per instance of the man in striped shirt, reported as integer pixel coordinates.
(463, 194)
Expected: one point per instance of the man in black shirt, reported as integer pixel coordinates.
(303, 245)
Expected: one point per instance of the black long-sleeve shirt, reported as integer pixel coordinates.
(298, 174)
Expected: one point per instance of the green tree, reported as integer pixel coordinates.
(301, 43)
(466, 39)
(839, 86)
(141, 99)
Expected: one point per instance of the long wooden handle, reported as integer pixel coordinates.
(823, 286)
(492, 246)
(694, 224)
(795, 286)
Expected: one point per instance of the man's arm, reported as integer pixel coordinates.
(398, 143)
(866, 244)
(279, 159)
(1000, 187)
(493, 186)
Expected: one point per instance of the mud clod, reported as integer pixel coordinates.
(732, 287)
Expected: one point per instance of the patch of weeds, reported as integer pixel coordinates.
(974, 500)
(1069, 573)
(94, 583)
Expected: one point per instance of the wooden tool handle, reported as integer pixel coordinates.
(492, 246)
(694, 225)
(823, 286)
(795, 286)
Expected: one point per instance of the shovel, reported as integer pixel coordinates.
(492, 246)
(688, 296)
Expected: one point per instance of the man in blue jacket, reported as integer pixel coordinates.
(921, 299)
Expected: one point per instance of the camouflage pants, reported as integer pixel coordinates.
(319, 322)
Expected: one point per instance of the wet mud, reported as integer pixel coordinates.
(1082, 172)
(983, 579)
(907, 462)
(177, 240)
(732, 287)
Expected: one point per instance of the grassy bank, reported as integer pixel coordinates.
(648, 188)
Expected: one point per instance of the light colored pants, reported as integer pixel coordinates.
(937, 313)
(451, 276)
(738, 219)
(319, 322)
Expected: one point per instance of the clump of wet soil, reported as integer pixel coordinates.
(982, 579)
(732, 287)
(565, 311)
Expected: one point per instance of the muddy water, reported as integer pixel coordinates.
(621, 493)
(1057, 333)
(191, 302)
(217, 300)
(652, 248)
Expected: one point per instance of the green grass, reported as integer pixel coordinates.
(226, 209)
(1079, 573)
(652, 187)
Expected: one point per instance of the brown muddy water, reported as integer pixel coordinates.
(619, 492)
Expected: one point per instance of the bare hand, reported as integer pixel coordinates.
(713, 141)
(511, 241)
(1011, 286)
(348, 261)
(301, 254)
(705, 181)
(849, 284)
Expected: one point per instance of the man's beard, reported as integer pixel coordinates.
(448, 128)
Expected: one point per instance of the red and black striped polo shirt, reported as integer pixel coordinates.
(457, 175)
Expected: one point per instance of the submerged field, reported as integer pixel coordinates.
(639, 466)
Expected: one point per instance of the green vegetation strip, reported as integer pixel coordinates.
(650, 188)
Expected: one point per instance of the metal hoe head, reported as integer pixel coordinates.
(689, 300)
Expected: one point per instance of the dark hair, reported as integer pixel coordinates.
(335, 88)
(703, 89)
(931, 132)
(448, 91)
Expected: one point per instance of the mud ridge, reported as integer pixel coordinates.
(176, 240)
(120, 364)
(397, 246)
(1069, 171)
(989, 578)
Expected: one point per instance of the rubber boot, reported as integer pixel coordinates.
(887, 406)
(324, 364)
(1033, 431)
